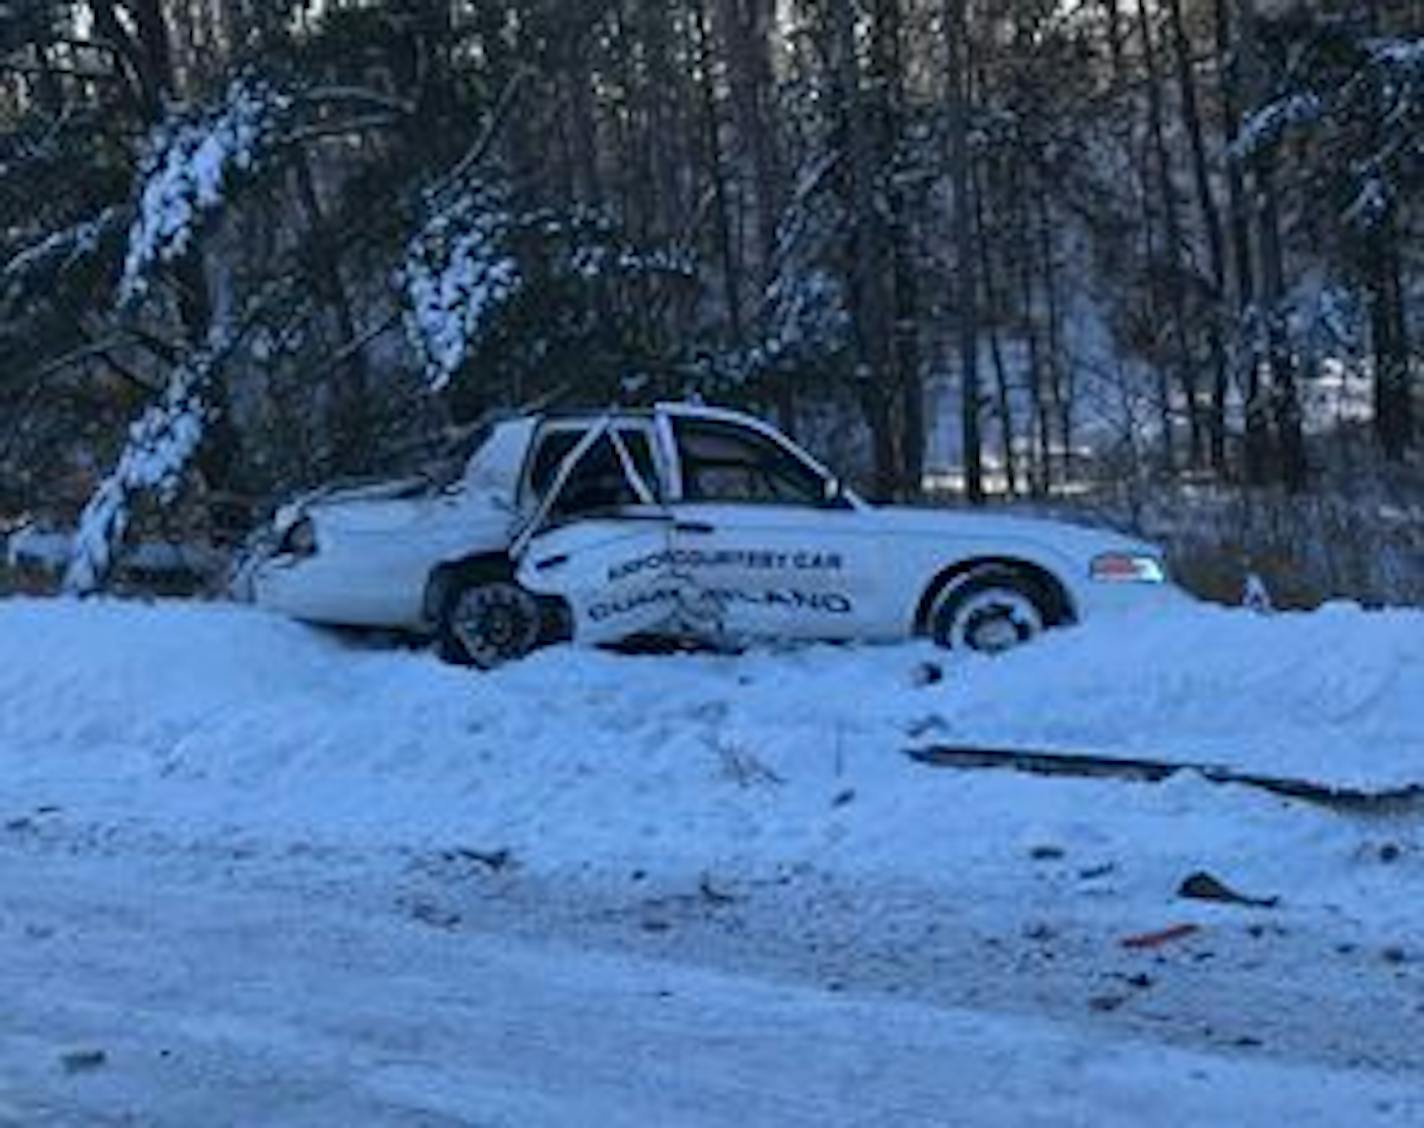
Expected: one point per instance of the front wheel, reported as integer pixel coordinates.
(989, 610)
(486, 623)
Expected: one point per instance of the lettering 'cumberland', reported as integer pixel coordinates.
(825, 603)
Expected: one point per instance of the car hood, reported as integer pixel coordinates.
(1077, 542)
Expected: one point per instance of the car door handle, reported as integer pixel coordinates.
(699, 527)
(551, 562)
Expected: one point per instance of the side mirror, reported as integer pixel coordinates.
(833, 493)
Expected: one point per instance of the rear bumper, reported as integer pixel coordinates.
(313, 591)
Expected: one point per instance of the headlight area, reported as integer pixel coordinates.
(1127, 568)
(300, 540)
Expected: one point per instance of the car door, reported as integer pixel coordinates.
(769, 544)
(599, 536)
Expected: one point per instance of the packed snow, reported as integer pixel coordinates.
(601, 833)
(177, 1003)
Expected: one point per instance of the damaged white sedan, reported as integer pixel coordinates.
(681, 521)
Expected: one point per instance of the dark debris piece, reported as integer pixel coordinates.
(1202, 886)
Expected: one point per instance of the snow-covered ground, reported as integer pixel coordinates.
(280, 876)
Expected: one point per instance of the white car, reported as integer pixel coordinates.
(685, 521)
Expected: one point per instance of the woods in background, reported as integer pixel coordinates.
(250, 245)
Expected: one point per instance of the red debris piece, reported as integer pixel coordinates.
(1160, 937)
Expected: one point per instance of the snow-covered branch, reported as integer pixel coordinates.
(1269, 124)
(804, 312)
(161, 443)
(189, 164)
(36, 267)
(458, 272)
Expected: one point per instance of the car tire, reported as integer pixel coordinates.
(485, 623)
(989, 610)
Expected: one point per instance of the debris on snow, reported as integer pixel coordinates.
(494, 860)
(1202, 886)
(711, 894)
(428, 912)
(927, 673)
(741, 765)
(1255, 596)
(1155, 939)
(82, 1061)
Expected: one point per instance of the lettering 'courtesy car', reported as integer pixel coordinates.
(688, 521)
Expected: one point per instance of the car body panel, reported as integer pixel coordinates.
(374, 559)
(584, 563)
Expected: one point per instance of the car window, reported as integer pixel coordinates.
(552, 449)
(598, 481)
(722, 462)
(640, 450)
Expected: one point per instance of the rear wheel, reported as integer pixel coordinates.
(486, 623)
(990, 610)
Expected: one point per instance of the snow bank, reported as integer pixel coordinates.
(206, 718)
(1336, 696)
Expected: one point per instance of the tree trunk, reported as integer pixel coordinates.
(351, 422)
(1165, 415)
(746, 30)
(1173, 231)
(871, 311)
(1258, 437)
(731, 266)
(1058, 379)
(887, 81)
(1393, 400)
(1211, 224)
(1114, 30)
(1284, 398)
(1002, 403)
(746, 27)
(1281, 400)
(583, 128)
(956, 25)
(1040, 474)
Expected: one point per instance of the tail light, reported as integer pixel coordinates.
(300, 540)
(1127, 568)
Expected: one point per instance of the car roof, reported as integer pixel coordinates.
(681, 408)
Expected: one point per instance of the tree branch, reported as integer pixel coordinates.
(355, 345)
(343, 128)
(357, 94)
(503, 105)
